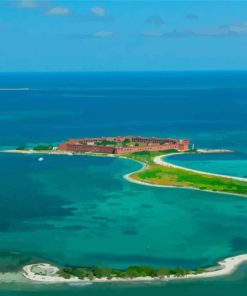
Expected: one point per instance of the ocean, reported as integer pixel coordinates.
(80, 211)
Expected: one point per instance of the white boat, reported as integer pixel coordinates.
(41, 159)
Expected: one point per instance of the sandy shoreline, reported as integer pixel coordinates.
(47, 273)
(144, 166)
(224, 267)
(160, 160)
(56, 152)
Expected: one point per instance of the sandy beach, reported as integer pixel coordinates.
(47, 273)
(160, 160)
(56, 152)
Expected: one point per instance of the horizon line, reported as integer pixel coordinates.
(123, 71)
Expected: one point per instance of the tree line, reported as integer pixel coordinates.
(130, 272)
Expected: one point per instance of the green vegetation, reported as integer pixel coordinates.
(106, 143)
(126, 142)
(191, 151)
(21, 148)
(170, 176)
(147, 157)
(36, 148)
(43, 147)
(130, 272)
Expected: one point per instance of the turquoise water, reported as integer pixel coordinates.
(225, 286)
(100, 218)
(233, 164)
(80, 210)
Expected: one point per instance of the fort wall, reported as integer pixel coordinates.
(142, 144)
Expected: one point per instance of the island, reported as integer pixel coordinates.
(159, 172)
(47, 273)
(152, 153)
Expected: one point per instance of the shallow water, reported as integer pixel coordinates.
(232, 164)
(225, 286)
(115, 223)
(80, 210)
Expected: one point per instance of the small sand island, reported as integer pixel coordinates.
(150, 152)
(47, 273)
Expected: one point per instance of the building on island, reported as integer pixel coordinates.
(123, 145)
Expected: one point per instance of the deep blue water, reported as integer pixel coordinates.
(79, 210)
(209, 108)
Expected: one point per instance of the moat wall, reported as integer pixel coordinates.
(142, 144)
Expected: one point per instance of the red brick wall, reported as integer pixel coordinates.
(85, 148)
(122, 150)
(72, 145)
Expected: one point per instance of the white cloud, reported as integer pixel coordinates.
(27, 4)
(58, 10)
(192, 16)
(235, 29)
(152, 33)
(99, 11)
(102, 34)
(98, 34)
(239, 28)
(155, 20)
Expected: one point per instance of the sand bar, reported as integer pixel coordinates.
(47, 273)
(161, 161)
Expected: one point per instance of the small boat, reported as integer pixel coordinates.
(41, 159)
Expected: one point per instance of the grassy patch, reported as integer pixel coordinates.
(147, 156)
(42, 147)
(169, 176)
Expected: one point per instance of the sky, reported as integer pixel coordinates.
(127, 35)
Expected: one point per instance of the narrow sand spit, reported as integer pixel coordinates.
(47, 273)
(160, 160)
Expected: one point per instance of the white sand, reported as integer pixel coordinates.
(47, 273)
(215, 151)
(56, 152)
(160, 160)
(44, 272)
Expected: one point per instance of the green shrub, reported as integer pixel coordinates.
(43, 147)
(21, 148)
